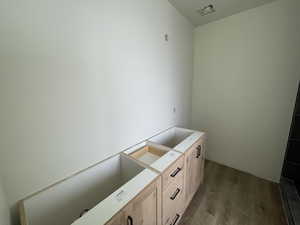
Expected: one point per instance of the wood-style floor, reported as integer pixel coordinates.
(231, 197)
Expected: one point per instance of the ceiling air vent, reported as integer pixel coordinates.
(206, 10)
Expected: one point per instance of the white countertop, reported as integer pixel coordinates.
(161, 163)
(110, 206)
(189, 137)
(165, 161)
(189, 141)
(171, 156)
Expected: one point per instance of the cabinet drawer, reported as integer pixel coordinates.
(174, 174)
(173, 201)
(175, 218)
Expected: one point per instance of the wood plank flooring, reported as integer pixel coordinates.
(231, 197)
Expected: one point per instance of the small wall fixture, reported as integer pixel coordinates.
(166, 37)
(206, 10)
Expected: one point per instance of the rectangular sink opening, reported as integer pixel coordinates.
(148, 154)
(171, 138)
(69, 198)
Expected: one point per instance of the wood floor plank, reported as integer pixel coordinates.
(231, 197)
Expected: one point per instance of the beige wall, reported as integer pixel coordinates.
(246, 69)
(83, 80)
(4, 211)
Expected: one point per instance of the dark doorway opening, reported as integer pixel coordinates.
(290, 180)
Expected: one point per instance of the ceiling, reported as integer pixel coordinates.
(223, 8)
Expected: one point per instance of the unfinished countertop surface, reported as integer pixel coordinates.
(155, 159)
(189, 141)
(179, 139)
(110, 206)
(113, 182)
(158, 153)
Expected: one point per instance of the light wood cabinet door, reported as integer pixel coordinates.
(118, 219)
(202, 167)
(145, 209)
(194, 170)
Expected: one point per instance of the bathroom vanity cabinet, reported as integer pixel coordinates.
(194, 172)
(118, 219)
(151, 183)
(144, 209)
(170, 165)
(173, 192)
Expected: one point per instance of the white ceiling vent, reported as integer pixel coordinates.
(206, 10)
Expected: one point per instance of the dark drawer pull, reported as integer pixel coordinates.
(129, 220)
(175, 194)
(175, 172)
(83, 212)
(176, 219)
(199, 148)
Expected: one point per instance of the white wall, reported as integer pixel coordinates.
(82, 80)
(246, 69)
(4, 211)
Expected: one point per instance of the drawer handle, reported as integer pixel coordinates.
(175, 172)
(199, 148)
(83, 212)
(176, 219)
(175, 194)
(129, 220)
